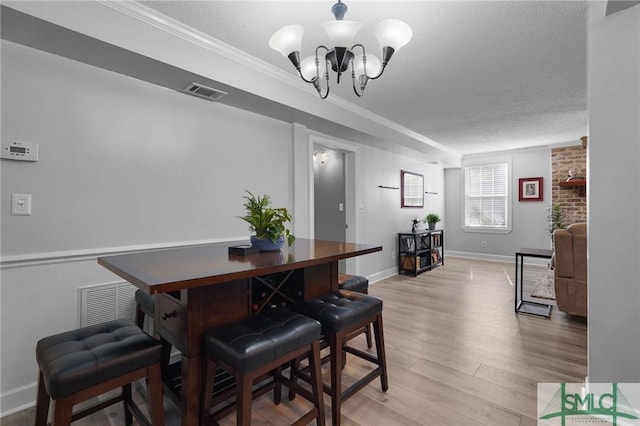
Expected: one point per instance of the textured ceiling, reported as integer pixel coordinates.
(477, 76)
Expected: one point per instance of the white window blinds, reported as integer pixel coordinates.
(486, 196)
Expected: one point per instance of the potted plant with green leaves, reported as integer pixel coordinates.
(556, 217)
(268, 223)
(432, 219)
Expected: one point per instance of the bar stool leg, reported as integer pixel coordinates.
(42, 404)
(316, 378)
(368, 328)
(368, 336)
(62, 410)
(294, 366)
(382, 357)
(277, 388)
(244, 397)
(126, 400)
(336, 340)
(154, 394)
(209, 383)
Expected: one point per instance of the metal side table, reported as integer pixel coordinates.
(526, 306)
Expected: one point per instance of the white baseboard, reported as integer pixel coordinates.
(18, 399)
(391, 272)
(379, 276)
(496, 258)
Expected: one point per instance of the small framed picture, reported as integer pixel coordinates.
(530, 189)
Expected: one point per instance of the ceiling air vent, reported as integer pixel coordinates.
(204, 92)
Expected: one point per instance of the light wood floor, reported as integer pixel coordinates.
(457, 355)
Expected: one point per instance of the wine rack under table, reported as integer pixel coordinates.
(277, 290)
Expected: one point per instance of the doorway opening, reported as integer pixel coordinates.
(334, 196)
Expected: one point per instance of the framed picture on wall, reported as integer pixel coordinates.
(530, 189)
(412, 189)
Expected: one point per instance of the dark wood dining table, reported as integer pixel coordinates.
(201, 286)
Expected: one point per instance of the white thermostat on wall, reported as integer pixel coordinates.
(23, 151)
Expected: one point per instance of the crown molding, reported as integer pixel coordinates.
(178, 29)
(169, 25)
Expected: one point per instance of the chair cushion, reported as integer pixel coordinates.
(342, 310)
(356, 283)
(146, 301)
(85, 357)
(249, 344)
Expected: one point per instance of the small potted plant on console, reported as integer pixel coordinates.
(432, 219)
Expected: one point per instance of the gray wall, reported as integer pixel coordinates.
(614, 198)
(123, 162)
(127, 165)
(529, 219)
(380, 217)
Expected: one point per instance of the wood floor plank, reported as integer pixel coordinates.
(490, 392)
(457, 354)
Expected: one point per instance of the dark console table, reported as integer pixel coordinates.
(420, 251)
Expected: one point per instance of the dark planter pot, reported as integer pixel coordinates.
(432, 226)
(265, 244)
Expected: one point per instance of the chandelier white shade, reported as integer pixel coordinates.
(373, 65)
(392, 34)
(341, 33)
(287, 39)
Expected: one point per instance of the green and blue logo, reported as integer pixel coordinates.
(600, 403)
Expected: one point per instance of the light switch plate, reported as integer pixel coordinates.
(20, 204)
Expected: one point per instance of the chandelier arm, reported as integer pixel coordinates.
(316, 83)
(387, 53)
(319, 88)
(353, 80)
(312, 81)
(364, 54)
(379, 74)
(325, 94)
(355, 90)
(294, 57)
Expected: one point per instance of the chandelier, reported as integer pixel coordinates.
(392, 34)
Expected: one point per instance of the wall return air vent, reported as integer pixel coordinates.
(204, 92)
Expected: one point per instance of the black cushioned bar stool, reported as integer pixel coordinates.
(359, 284)
(356, 283)
(81, 364)
(340, 314)
(146, 307)
(251, 348)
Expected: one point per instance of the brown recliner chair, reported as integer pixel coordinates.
(570, 268)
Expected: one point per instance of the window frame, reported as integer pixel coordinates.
(508, 195)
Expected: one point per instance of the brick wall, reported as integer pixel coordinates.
(573, 200)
